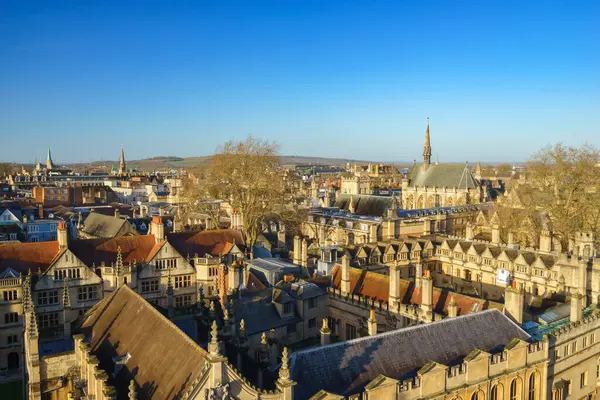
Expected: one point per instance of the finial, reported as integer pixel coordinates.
(263, 338)
(325, 326)
(119, 262)
(242, 326)
(132, 394)
(284, 371)
(225, 314)
(372, 315)
(272, 333)
(452, 301)
(66, 294)
(33, 328)
(212, 306)
(214, 332)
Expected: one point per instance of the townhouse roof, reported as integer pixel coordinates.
(105, 226)
(345, 368)
(161, 359)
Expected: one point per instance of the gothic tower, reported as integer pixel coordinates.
(427, 147)
(122, 165)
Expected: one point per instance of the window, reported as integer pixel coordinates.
(287, 308)
(12, 339)
(592, 338)
(312, 303)
(583, 379)
(10, 295)
(48, 320)
(291, 328)
(475, 396)
(573, 347)
(182, 281)
(150, 286)
(47, 297)
(312, 323)
(566, 350)
(212, 271)
(167, 263)
(183, 301)
(494, 393)
(532, 394)
(87, 293)
(584, 342)
(11, 318)
(350, 332)
(513, 390)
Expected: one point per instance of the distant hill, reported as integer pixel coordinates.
(173, 162)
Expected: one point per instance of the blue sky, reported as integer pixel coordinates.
(356, 79)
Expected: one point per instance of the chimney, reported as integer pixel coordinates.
(345, 284)
(325, 333)
(304, 253)
(372, 323)
(157, 228)
(61, 235)
(452, 308)
(514, 302)
(469, 231)
(234, 277)
(117, 213)
(40, 211)
(545, 241)
(297, 250)
(576, 307)
(496, 234)
(427, 295)
(394, 289)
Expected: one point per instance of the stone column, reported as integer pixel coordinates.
(325, 333)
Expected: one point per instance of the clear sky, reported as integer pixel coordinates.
(355, 79)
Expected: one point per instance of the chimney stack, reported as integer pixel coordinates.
(514, 302)
(325, 333)
(452, 308)
(372, 323)
(345, 285)
(157, 228)
(61, 235)
(427, 295)
(117, 213)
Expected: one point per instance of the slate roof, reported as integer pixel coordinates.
(345, 368)
(213, 242)
(105, 226)
(374, 206)
(24, 256)
(442, 175)
(164, 361)
(259, 313)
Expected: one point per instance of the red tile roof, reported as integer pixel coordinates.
(214, 242)
(24, 256)
(139, 248)
(376, 286)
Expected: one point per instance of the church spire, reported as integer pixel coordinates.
(122, 165)
(427, 146)
(49, 163)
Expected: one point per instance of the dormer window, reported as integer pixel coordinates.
(287, 308)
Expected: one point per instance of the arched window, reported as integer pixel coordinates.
(494, 393)
(513, 390)
(531, 392)
(476, 396)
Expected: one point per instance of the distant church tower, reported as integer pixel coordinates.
(49, 163)
(122, 165)
(427, 147)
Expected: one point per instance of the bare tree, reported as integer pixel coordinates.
(248, 175)
(564, 182)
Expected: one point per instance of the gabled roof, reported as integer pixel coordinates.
(105, 226)
(214, 242)
(374, 206)
(345, 368)
(140, 248)
(163, 361)
(25, 256)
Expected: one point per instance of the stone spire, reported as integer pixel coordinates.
(49, 163)
(119, 263)
(427, 147)
(33, 327)
(122, 165)
(284, 371)
(66, 294)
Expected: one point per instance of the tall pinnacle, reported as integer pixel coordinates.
(427, 146)
(49, 163)
(122, 165)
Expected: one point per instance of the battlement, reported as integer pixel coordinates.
(574, 329)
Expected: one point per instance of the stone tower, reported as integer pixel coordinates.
(427, 147)
(122, 165)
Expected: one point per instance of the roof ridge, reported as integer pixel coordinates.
(409, 328)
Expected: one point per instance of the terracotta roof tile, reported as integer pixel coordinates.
(139, 248)
(213, 242)
(24, 256)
